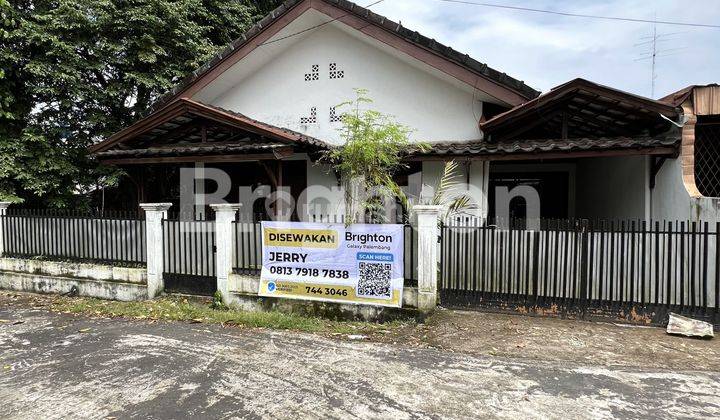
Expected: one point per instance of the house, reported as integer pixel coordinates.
(264, 110)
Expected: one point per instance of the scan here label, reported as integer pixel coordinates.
(359, 263)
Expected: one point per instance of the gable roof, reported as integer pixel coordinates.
(501, 86)
(185, 108)
(594, 110)
(677, 98)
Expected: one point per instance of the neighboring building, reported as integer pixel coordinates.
(264, 110)
(692, 181)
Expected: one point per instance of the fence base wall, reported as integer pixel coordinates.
(100, 281)
(75, 269)
(243, 296)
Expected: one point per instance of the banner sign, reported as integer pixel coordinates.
(331, 262)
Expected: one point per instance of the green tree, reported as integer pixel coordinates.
(374, 145)
(75, 71)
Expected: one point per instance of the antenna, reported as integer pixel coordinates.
(652, 42)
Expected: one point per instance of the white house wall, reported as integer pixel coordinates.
(671, 201)
(278, 92)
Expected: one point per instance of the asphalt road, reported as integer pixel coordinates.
(61, 366)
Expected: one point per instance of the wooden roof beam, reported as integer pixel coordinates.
(604, 125)
(523, 127)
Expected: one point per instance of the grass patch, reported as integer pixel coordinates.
(177, 308)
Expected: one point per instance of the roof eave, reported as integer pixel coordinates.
(182, 105)
(559, 91)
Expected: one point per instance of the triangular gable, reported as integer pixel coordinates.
(185, 108)
(460, 66)
(589, 109)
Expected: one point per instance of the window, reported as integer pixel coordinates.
(312, 119)
(334, 72)
(314, 73)
(707, 157)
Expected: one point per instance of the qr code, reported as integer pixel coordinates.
(374, 280)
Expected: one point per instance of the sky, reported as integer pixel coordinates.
(546, 50)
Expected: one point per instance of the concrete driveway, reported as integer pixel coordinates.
(62, 366)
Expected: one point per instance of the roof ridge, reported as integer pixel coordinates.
(570, 85)
(414, 37)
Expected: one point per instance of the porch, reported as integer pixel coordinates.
(581, 151)
(207, 154)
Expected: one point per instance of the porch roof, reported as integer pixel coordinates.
(580, 109)
(576, 119)
(555, 148)
(191, 128)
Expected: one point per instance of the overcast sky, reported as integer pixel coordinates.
(546, 50)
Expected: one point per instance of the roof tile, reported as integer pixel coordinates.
(551, 145)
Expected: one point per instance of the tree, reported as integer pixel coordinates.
(76, 71)
(372, 152)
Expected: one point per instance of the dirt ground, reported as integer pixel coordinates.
(582, 342)
(76, 366)
(517, 337)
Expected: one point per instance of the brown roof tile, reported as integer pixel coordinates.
(551, 145)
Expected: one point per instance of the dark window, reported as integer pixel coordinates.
(707, 157)
(552, 187)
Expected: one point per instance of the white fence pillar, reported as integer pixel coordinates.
(224, 217)
(3, 211)
(154, 215)
(428, 233)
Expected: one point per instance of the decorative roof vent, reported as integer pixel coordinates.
(334, 116)
(314, 73)
(334, 72)
(312, 119)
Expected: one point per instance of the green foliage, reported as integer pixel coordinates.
(374, 145)
(75, 71)
(446, 193)
(175, 308)
(217, 302)
(450, 180)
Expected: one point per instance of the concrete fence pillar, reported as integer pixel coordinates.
(3, 211)
(428, 233)
(224, 217)
(154, 215)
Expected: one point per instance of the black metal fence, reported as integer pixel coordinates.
(108, 237)
(247, 247)
(189, 256)
(637, 269)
